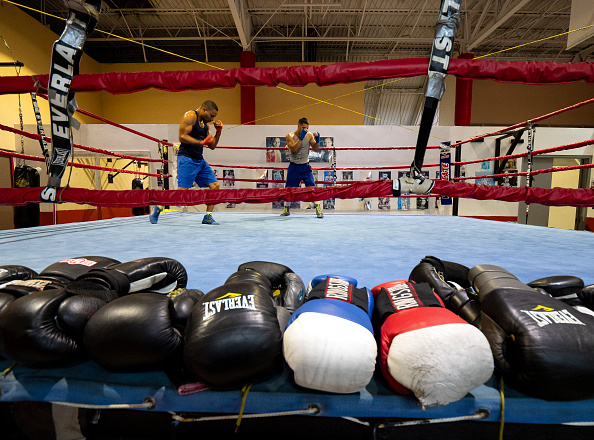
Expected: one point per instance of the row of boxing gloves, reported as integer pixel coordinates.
(438, 334)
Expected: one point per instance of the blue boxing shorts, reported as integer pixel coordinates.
(190, 170)
(298, 172)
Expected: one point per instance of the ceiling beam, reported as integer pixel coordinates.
(242, 22)
(503, 16)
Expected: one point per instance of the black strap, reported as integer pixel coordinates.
(66, 54)
(40, 131)
(445, 30)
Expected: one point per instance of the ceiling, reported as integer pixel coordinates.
(324, 31)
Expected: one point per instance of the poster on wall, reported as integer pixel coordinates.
(229, 182)
(277, 149)
(260, 184)
(347, 175)
(278, 175)
(383, 203)
(329, 177)
(511, 167)
(323, 155)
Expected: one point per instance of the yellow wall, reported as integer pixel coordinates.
(275, 106)
(31, 43)
(159, 107)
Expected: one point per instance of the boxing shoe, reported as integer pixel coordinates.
(319, 213)
(416, 184)
(286, 212)
(154, 217)
(209, 220)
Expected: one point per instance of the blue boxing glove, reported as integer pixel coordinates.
(329, 343)
(302, 134)
(317, 137)
(317, 280)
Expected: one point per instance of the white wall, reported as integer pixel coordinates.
(114, 139)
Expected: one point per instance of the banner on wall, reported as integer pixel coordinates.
(329, 177)
(278, 175)
(229, 182)
(445, 168)
(384, 202)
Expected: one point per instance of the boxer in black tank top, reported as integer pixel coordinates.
(194, 135)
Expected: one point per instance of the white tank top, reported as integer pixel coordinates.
(302, 155)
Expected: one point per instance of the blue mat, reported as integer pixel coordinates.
(371, 248)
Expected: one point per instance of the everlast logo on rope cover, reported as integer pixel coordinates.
(402, 296)
(550, 316)
(60, 79)
(338, 289)
(229, 301)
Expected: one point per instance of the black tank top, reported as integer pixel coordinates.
(194, 151)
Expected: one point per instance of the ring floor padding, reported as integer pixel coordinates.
(373, 248)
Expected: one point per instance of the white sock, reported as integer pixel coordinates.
(208, 212)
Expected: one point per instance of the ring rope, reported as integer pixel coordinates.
(258, 167)
(480, 414)
(6, 153)
(532, 172)
(115, 124)
(147, 403)
(525, 123)
(534, 153)
(311, 410)
(82, 147)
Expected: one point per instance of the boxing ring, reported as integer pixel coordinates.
(387, 247)
(372, 248)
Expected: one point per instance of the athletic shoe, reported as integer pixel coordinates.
(319, 213)
(286, 212)
(208, 220)
(154, 217)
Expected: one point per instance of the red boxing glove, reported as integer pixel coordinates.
(208, 141)
(219, 128)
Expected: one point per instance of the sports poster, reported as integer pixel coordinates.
(322, 155)
(329, 177)
(347, 175)
(229, 174)
(263, 177)
(273, 154)
(383, 203)
(280, 176)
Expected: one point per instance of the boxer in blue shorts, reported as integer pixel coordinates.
(194, 135)
(299, 170)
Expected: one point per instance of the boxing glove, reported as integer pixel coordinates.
(234, 334)
(542, 346)
(316, 280)
(153, 274)
(563, 287)
(450, 281)
(140, 332)
(48, 329)
(56, 275)
(329, 343)
(208, 141)
(586, 295)
(11, 273)
(425, 348)
(302, 134)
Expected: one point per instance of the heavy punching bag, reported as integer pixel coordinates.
(138, 183)
(26, 216)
